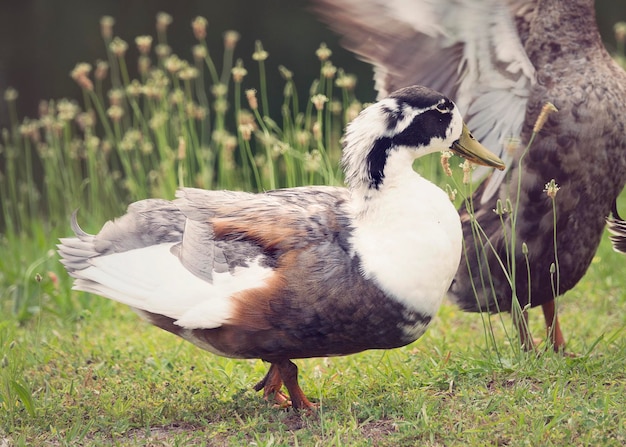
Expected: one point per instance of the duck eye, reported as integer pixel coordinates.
(442, 107)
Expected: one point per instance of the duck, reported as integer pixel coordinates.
(501, 61)
(311, 271)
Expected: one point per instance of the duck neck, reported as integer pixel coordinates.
(397, 180)
(407, 235)
(562, 29)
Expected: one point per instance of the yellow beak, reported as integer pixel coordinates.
(468, 147)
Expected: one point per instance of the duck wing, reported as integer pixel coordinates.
(470, 50)
(185, 259)
(241, 226)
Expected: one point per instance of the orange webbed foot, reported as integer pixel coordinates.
(285, 372)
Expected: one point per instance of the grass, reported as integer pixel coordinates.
(77, 369)
(101, 376)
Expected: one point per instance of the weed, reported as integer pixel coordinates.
(135, 138)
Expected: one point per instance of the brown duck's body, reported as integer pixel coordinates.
(582, 147)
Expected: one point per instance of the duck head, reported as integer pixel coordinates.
(415, 120)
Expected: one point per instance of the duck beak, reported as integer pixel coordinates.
(468, 147)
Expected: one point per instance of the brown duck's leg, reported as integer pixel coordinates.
(271, 385)
(521, 322)
(552, 325)
(289, 373)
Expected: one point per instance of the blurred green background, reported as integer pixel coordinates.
(42, 40)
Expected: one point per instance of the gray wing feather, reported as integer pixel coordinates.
(298, 216)
(470, 50)
(148, 222)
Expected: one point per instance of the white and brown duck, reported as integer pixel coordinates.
(302, 272)
(500, 61)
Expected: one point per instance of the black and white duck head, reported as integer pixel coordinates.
(410, 123)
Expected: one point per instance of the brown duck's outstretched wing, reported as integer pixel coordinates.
(469, 50)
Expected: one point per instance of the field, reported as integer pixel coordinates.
(77, 369)
(91, 373)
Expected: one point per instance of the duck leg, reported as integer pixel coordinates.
(285, 372)
(552, 326)
(271, 385)
(289, 373)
